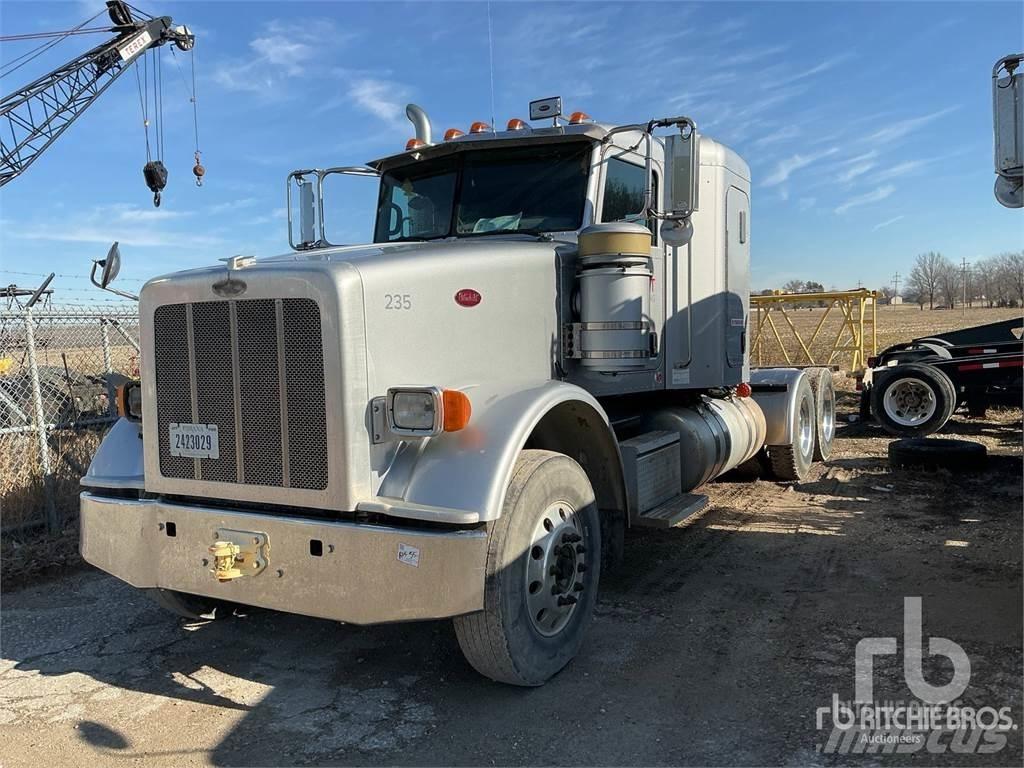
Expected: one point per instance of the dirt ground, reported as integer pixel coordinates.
(714, 645)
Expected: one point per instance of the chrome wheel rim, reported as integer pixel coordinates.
(909, 402)
(828, 415)
(555, 564)
(805, 426)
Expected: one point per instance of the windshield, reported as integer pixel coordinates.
(537, 188)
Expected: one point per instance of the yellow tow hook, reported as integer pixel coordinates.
(225, 559)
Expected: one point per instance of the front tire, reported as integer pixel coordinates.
(543, 569)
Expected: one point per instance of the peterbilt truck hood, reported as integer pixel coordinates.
(389, 315)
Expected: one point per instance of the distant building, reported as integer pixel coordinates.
(896, 300)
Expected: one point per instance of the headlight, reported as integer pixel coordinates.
(416, 411)
(129, 400)
(425, 411)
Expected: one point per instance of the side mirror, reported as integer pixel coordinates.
(111, 266)
(682, 152)
(109, 269)
(310, 186)
(1008, 123)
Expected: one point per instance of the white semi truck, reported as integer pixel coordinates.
(545, 345)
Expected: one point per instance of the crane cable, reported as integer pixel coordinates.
(154, 171)
(198, 170)
(17, 63)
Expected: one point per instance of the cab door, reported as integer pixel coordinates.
(737, 268)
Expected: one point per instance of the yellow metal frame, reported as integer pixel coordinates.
(850, 338)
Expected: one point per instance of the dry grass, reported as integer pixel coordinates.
(894, 325)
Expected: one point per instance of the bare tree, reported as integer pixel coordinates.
(949, 284)
(793, 286)
(1011, 273)
(925, 277)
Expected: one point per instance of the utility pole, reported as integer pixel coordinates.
(895, 289)
(963, 266)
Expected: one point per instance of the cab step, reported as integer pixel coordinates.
(673, 511)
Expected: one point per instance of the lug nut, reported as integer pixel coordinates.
(581, 568)
(577, 587)
(581, 550)
(567, 600)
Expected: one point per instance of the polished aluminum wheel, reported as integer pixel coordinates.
(909, 402)
(556, 563)
(805, 426)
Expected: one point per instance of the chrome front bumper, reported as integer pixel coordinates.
(365, 574)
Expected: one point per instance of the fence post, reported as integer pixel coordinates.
(108, 368)
(52, 521)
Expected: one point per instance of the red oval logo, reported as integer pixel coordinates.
(467, 297)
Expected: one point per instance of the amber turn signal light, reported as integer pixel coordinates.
(457, 410)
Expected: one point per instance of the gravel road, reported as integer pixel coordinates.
(715, 644)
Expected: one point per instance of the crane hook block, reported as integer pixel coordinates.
(199, 171)
(155, 173)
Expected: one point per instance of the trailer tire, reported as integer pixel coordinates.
(524, 634)
(192, 607)
(792, 462)
(937, 453)
(913, 400)
(824, 412)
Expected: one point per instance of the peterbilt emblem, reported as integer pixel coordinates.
(467, 297)
(229, 287)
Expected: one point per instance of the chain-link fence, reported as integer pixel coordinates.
(58, 370)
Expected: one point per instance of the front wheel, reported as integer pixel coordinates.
(543, 567)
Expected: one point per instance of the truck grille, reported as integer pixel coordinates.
(255, 368)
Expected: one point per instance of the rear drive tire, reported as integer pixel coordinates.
(543, 568)
(937, 453)
(912, 400)
(824, 411)
(793, 462)
(192, 607)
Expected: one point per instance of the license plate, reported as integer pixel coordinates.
(194, 441)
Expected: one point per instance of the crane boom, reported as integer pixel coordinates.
(37, 114)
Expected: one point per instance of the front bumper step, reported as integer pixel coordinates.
(352, 572)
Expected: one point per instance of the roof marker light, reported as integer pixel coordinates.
(578, 118)
(452, 133)
(515, 124)
(479, 127)
(414, 143)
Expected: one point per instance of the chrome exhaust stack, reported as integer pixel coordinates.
(418, 117)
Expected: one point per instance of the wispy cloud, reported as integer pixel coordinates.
(383, 99)
(823, 66)
(867, 198)
(233, 205)
(887, 222)
(858, 166)
(785, 133)
(901, 128)
(790, 165)
(283, 50)
(116, 221)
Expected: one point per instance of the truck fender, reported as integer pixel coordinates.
(461, 477)
(775, 391)
(118, 462)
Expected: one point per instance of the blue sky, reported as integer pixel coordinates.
(867, 126)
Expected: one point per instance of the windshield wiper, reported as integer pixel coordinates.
(531, 232)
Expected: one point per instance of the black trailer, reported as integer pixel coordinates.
(912, 389)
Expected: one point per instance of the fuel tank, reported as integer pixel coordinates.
(715, 436)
